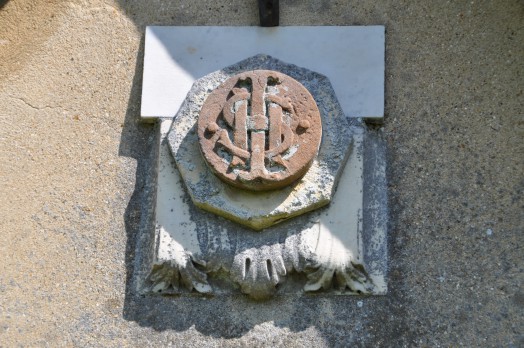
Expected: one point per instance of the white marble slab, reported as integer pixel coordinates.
(351, 57)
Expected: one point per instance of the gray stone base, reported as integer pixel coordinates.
(338, 249)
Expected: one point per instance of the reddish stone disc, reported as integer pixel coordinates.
(259, 130)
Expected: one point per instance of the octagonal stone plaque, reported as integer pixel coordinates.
(339, 248)
(259, 210)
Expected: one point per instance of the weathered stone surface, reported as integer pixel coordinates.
(254, 209)
(260, 130)
(73, 187)
(338, 249)
(194, 250)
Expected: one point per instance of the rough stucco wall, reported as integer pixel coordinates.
(73, 164)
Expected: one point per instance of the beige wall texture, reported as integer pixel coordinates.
(74, 160)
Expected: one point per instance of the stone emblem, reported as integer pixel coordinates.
(206, 236)
(212, 142)
(260, 130)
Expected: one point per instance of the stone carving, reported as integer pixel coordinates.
(275, 127)
(262, 209)
(196, 250)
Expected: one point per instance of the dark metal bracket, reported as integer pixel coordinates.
(269, 13)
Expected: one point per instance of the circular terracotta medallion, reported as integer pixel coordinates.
(259, 130)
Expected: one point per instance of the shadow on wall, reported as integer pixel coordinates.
(226, 317)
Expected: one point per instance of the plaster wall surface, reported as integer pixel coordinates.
(74, 163)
